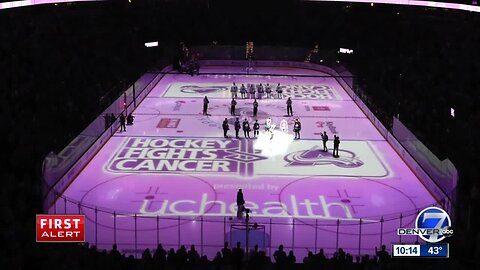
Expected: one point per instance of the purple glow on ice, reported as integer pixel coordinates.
(174, 162)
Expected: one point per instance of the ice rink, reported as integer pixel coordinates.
(172, 177)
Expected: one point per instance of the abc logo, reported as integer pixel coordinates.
(447, 231)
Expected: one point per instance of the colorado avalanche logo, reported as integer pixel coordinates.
(195, 89)
(316, 157)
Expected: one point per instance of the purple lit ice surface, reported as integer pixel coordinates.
(172, 178)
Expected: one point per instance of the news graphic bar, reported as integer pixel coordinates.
(60, 228)
(434, 250)
(422, 251)
(406, 251)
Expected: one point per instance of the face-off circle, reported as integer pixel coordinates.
(148, 197)
(346, 200)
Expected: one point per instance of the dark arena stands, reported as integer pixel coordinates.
(399, 84)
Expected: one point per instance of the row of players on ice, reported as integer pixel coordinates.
(260, 89)
(233, 105)
(270, 127)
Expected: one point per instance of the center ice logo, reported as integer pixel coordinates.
(316, 157)
(222, 90)
(196, 89)
(308, 91)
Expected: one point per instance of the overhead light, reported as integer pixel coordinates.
(273, 144)
(151, 44)
(345, 50)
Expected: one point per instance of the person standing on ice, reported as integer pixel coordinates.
(251, 90)
(205, 105)
(260, 91)
(122, 122)
(243, 91)
(256, 127)
(246, 129)
(225, 128)
(255, 108)
(289, 107)
(296, 128)
(268, 90)
(233, 103)
(336, 144)
(279, 91)
(268, 124)
(324, 140)
(234, 91)
(269, 127)
(284, 125)
(240, 203)
(237, 127)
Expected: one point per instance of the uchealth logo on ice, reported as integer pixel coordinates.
(316, 157)
(60, 228)
(433, 224)
(320, 207)
(196, 89)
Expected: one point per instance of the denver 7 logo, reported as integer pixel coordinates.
(437, 219)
